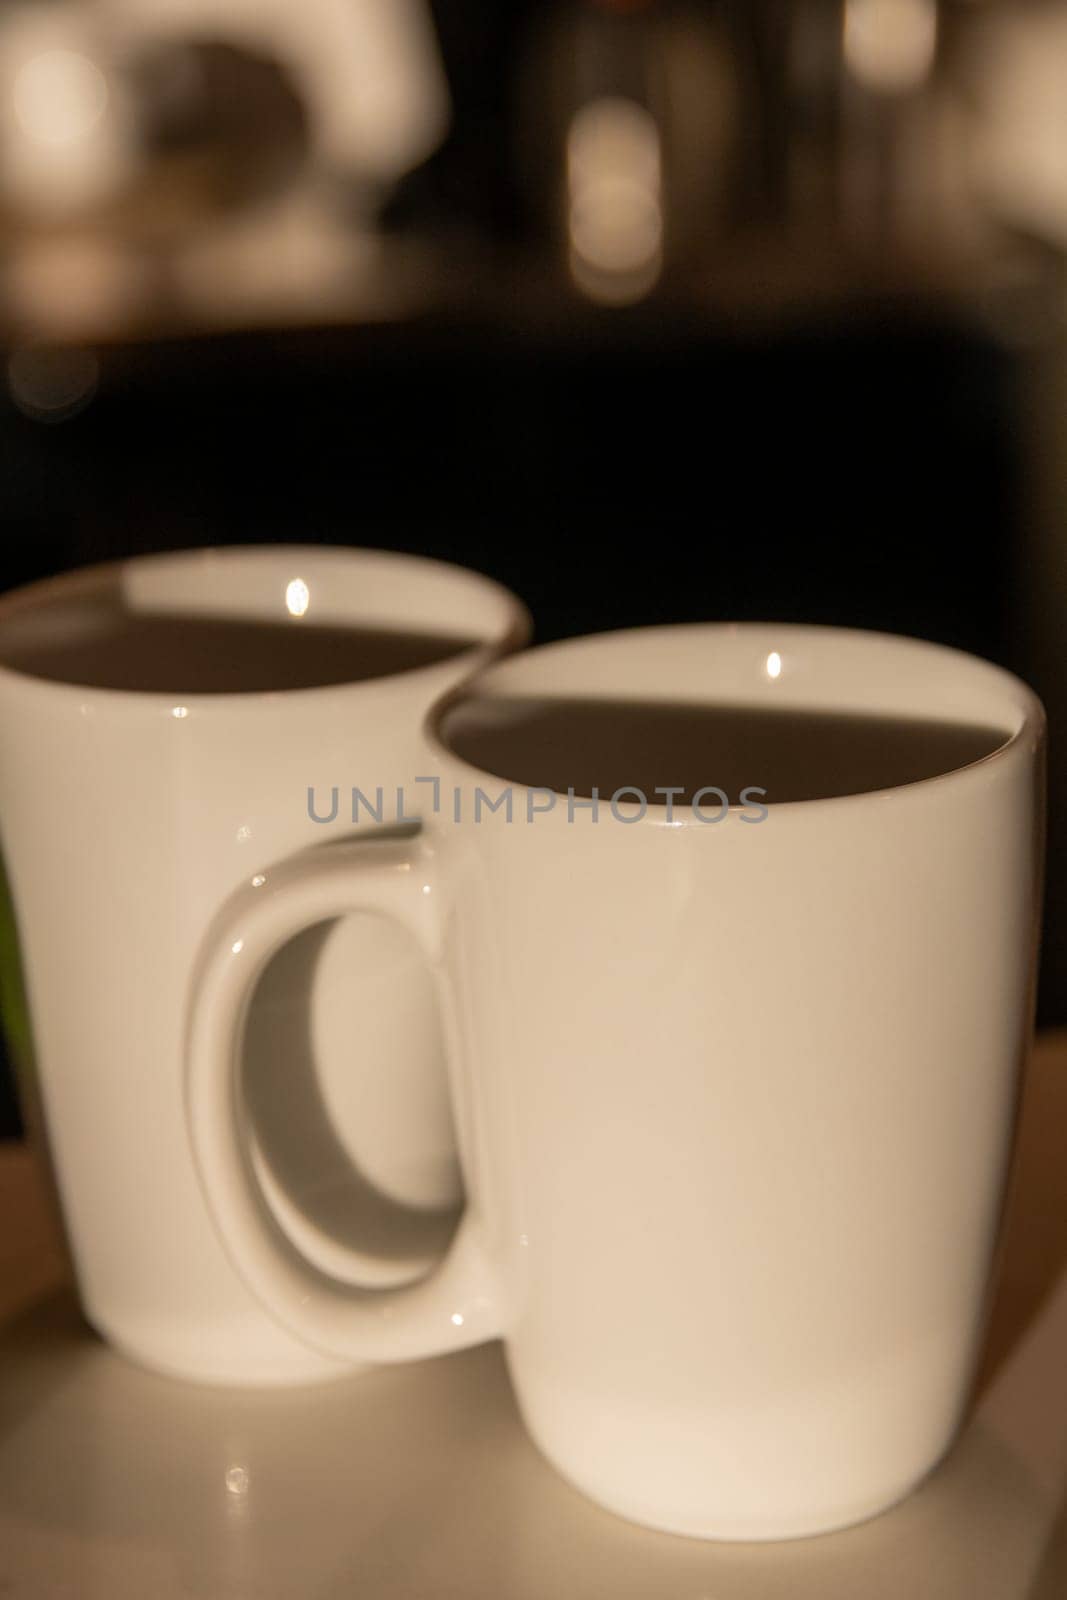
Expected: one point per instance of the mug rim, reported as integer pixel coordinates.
(1029, 709)
(513, 630)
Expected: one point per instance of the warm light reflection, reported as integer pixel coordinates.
(615, 200)
(59, 96)
(297, 597)
(237, 1481)
(774, 665)
(890, 44)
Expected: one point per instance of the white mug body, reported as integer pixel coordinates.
(127, 819)
(745, 1169)
(734, 1094)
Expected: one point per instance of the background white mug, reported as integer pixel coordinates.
(128, 817)
(734, 1102)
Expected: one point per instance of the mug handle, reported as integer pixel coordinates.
(458, 1303)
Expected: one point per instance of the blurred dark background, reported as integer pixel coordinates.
(652, 311)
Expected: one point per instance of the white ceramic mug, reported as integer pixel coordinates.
(734, 1102)
(128, 816)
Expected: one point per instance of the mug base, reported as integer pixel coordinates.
(810, 1524)
(251, 1374)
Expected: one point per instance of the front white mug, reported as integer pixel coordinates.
(734, 1101)
(136, 793)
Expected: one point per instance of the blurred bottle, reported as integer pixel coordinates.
(629, 138)
(1014, 69)
(1014, 73)
(867, 133)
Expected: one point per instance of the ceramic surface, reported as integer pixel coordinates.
(734, 1102)
(128, 819)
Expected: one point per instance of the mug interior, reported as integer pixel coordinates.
(823, 692)
(312, 614)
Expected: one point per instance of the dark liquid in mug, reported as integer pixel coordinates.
(792, 754)
(106, 647)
